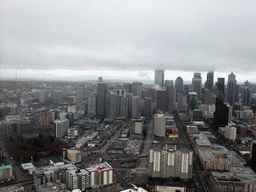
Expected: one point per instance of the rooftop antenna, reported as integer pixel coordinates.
(16, 73)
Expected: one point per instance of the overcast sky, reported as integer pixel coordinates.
(127, 39)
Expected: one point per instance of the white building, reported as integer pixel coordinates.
(160, 122)
(72, 109)
(61, 127)
(169, 162)
(101, 174)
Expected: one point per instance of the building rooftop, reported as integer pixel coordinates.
(5, 167)
(220, 155)
(27, 166)
(99, 167)
(236, 174)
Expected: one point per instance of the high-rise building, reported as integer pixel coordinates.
(160, 100)
(57, 97)
(42, 96)
(221, 84)
(209, 80)
(221, 114)
(181, 101)
(247, 94)
(101, 99)
(129, 100)
(78, 179)
(63, 115)
(147, 112)
(179, 85)
(192, 100)
(54, 113)
(118, 104)
(92, 104)
(122, 103)
(253, 155)
(100, 80)
(127, 87)
(101, 174)
(80, 92)
(159, 78)
(135, 106)
(168, 83)
(45, 118)
(232, 89)
(221, 88)
(137, 89)
(160, 122)
(61, 127)
(113, 102)
(159, 125)
(197, 81)
(165, 163)
(170, 99)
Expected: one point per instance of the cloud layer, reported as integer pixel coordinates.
(177, 35)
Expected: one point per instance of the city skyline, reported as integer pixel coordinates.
(127, 40)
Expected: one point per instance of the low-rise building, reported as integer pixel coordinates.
(219, 158)
(74, 155)
(238, 179)
(6, 172)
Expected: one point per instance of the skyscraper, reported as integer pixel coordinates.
(127, 87)
(181, 101)
(113, 102)
(122, 106)
(221, 114)
(160, 100)
(57, 97)
(253, 155)
(80, 92)
(209, 80)
(42, 96)
(160, 124)
(247, 94)
(232, 89)
(159, 78)
(92, 104)
(147, 107)
(192, 100)
(168, 82)
(135, 106)
(45, 118)
(197, 81)
(169, 162)
(101, 99)
(100, 80)
(221, 88)
(137, 89)
(170, 99)
(179, 85)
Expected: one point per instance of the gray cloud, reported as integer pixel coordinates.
(125, 35)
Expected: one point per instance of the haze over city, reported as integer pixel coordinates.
(127, 40)
(128, 96)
